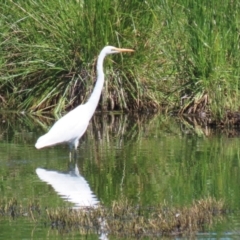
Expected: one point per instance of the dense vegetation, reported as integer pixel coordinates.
(186, 59)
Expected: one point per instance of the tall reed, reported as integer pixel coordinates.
(186, 57)
(204, 43)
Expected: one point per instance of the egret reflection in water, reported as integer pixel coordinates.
(71, 186)
(74, 188)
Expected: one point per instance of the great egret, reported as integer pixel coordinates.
(72, 126)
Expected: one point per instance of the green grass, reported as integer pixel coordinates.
(186, 59)
(50, 51)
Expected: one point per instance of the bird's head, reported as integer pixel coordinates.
(110, 50)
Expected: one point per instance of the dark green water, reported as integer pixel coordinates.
(147, 160)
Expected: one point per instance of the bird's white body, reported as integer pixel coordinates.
(72, 126)
(62, 131)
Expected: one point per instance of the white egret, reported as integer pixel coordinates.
(72, 126)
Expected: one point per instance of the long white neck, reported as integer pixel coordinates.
(95, 96)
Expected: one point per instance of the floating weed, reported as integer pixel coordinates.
(13, 209)
(122, 218)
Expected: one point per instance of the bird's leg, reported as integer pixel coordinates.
(75, 154)
(70, 152)
(75, 149)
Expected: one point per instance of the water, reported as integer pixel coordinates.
(147, 160)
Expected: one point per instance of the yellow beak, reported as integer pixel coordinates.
(123, 50)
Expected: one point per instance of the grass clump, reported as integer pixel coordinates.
(14, 209)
